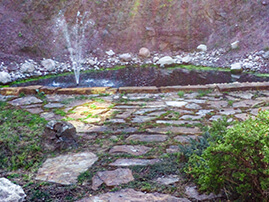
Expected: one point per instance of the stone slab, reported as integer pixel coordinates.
(176, 130)
(25, 101)
(128, 195)
(147, 138)
(133, 162)
(82, 91)
(112, 178)
(136, 150)
(54, 105)
(185, 139)
(176, 103)
(65, 169)
(10, 91)
(167, 89)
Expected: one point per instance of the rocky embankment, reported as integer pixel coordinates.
(232, 31)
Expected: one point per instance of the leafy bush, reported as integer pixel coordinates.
(237, 164)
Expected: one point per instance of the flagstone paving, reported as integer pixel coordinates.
(126, 130)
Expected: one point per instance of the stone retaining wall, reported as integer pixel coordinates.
(145, 89)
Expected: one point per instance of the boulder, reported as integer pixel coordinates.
(28, 67)
(59, 135)
(165, 61)
(10, 191)
(235, 45)
(236, 68)
(5, 77)
(48, 64)
(110, 53)
(125, 57)
(202, 47)
(266, 55)
(144, 52)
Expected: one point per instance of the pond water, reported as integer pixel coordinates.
(149, 76)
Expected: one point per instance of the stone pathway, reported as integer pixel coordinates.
(133, 129)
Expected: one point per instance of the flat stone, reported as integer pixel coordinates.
(179, 122)
(194, 194)
(144, 89)
(171, 179)
(176, 103)
(242, 116)
(50, 115)
(215, 118)
(25, 101)
(134, 162)
(147, 138)
(65, 169)
(246, 103)
(31, 106)
(146, 110)
(132, 195)
(136, 150)
(176, 130)
(217, 104)
(125, 114)
(112, 178)
(244, 95)
(82, 91)
(191, 117)
(156, 114)
(93, 129)
(35, 110)
(185, 139)
(54, 105)
(142, 119)
(229, 111)
(116, 121)
(204, 112)
(193, 106)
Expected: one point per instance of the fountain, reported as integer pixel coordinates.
(75, 39)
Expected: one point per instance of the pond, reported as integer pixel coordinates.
(146, 76)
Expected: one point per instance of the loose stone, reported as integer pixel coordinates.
(65, 169)
(130, 149)
(25, 101)
(134, 162)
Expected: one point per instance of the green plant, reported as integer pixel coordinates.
(238, 163)
(203, 93)
(181, 94)
(59, 112)
(20, 141)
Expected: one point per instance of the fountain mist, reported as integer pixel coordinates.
(75, 39)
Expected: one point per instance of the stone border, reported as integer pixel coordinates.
(225, 87)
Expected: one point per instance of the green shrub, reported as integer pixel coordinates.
(237, 164)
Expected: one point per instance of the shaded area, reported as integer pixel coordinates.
(151, 76)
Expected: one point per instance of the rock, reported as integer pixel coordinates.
(144, 52)
(136, 150)
(202, 47)
(155, 59)
(193, 193)
(235, 45)
(236, 68)
(185, 139)
(147, 138)
(48, 64)
(59, 135)
(171, 179)
(126, 57)
(132, 195)
(10, 192)
(53, 105)
(112, 178)
(110, 53)
(5, 77)
(186, 59)
(165, 61)
(25, 101)
(176, 103)
(134, 162)
(65, 169)
(266, 55)
(28, 67)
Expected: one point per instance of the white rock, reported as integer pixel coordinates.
(155, 59)
(110, 53)
(266, 55)
(48, 64)
(235, 45)
(186, 59)
(91, 62)
(126, 57)
(28, 67)
(10, 192)
(202, 47)
(5, 77)
(144, 52)
(166, 60)
(236, 68)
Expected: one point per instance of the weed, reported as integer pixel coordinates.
(181, 94)
(59, 112)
